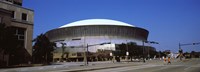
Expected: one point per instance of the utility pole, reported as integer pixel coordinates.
(181, 51)
(64, 45)
(87, 55)
(127, 52)
(143, 51)
(63, 49)
(87, 52)
(151, 42)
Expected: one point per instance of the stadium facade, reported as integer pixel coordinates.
(98, 35)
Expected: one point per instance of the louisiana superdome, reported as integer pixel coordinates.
(78, 34)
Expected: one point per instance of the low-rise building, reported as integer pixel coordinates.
(20, 19)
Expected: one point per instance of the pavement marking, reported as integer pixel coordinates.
(187, 68)
(117, 68)
(197, 65)
(123, 68)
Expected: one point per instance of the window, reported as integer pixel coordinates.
(73, 54)
(24, 16)
(79, 54)
(20, 37)
(20, 33)
(17, 3)
(9, 1)
(13, 14)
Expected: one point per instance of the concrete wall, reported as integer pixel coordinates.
(5, 16)
(18, 11)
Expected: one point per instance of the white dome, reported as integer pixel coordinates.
(96, 22)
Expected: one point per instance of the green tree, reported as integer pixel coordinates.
(42, 50)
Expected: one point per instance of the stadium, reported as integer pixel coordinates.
(100, 36)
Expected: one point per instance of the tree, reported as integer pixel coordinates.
(42, 50)
(135, 51)
(160, 54)
(2, 45)
(8, 42)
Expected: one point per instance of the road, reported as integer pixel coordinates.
(192, 65)
(188, 65)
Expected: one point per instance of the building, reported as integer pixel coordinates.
(98, 36)
(12, 14)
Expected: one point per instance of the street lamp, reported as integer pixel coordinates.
(143, 50)
(127, 53)
(151, 42)
(63, 49)
(111, 53)
(86, 54)
(181, 51)
(64, 45)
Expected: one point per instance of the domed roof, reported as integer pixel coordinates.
(96, 22)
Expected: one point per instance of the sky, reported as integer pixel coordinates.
(169, 22)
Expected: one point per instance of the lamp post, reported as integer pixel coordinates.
(111, 53)
(64, 45)
(127, 52)
(181, 51)
(151, 42)
(143, 50)
(85, 56)
(86, 53)
(63, 49)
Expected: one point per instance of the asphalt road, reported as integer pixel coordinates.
(188, 65)
(192, 65)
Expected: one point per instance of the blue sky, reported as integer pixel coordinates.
(168, 21)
